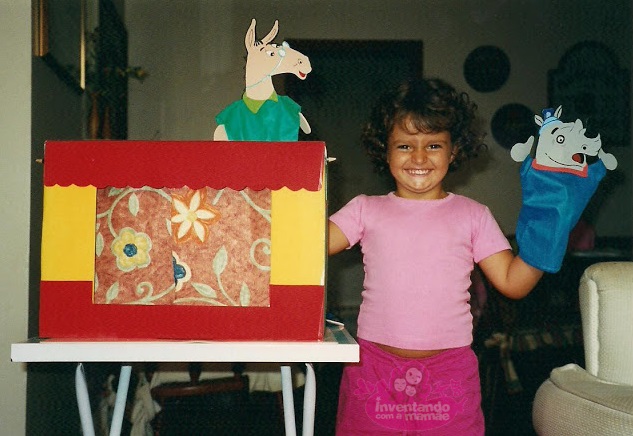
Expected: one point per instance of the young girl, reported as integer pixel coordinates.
(417, 373)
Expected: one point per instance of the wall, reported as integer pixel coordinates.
(194, 51)
(15, 154)
(36, 106)
(56, 114)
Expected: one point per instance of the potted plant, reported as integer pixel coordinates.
(106, 85)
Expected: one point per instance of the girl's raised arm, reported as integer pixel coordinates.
(337, 241)
(509, 274)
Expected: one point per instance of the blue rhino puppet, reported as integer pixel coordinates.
(556, 186)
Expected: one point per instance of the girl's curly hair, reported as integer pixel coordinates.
(432, 106)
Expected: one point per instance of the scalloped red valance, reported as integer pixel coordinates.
(196, 164)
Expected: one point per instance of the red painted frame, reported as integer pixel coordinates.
(295, 312)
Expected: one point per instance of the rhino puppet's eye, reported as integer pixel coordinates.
(560, 139)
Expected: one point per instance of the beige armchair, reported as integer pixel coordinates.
(597, 400)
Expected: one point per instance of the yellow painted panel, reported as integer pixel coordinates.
(297, 233)
(298, 237)
(68, 233)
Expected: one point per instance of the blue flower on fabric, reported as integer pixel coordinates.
(131, 249)
(182, 272)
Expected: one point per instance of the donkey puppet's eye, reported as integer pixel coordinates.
(560, 139)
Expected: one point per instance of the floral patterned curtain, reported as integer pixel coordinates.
(182, 246)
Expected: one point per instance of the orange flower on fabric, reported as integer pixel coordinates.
(191, 216)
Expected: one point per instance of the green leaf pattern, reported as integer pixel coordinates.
(220, 261)
(99, 244)
(133, 204)
(112, 293)
(245, 295)
(205, 290)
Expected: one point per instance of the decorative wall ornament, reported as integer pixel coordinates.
(486, 68)
(592, 87)
(512, 123)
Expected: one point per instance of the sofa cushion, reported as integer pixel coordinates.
(573, 402)
(606, 302)
(577, 381)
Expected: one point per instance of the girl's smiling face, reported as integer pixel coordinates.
(419, 161)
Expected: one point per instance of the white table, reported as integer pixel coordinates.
(337, 346)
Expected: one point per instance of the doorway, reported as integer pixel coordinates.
(336, 98)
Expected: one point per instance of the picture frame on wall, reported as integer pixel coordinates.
(59, 39)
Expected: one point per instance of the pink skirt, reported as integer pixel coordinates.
(386, 394)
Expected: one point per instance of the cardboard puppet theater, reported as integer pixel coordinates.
(557, 184)
(221, 240)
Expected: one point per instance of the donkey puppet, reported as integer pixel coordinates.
(261, 114)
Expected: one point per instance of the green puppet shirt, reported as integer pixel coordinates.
(274, 119)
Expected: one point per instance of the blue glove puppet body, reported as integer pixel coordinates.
(552, 205)
(556, 187)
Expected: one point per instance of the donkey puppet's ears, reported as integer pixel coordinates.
(250, 40)
(271, 35)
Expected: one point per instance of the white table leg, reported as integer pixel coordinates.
(121, 398)
(288, 399)
(309, 401)
(83, 401)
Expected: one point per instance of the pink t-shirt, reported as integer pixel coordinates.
(418, 257)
